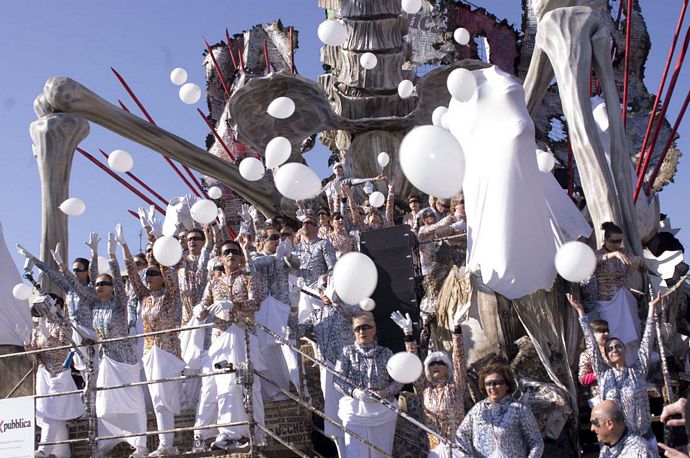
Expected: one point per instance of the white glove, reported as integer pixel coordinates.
(460, 226)
(24, 333)
(112, 243)
(220, 306)
(300, 214)
(156, 226)
(360, 395)
(143, 220)
(42, 328)
(245, 228)
(198, 310)
(94, 239)
(459, 316)
(283, 249)
(21, 250)
(56, 254)
(120, 236)
(405, 322)
(253, 212)
(221, 217)
(246, 216)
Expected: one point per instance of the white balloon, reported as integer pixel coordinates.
(437, 115)
(411, 6)
(190, 93)
(297, 181)
(21, 291)
(377, 199)
(120, 161)
(367, 304)
(332, 32)
(461, 84)
(405, 89)
(354, 277)
(178, 76)
(204, 211)
(73, 206)
(167, 250)
(433, 161)
(575, 261)
(368, 60)
(251, 169)
(545, 161)
(103, 266)
(383, 159)
(278, 151)
(461, 36)
(404, 367)
(281, 108)
(214, 192)
(445, 119)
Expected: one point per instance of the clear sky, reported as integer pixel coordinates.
(144, 41)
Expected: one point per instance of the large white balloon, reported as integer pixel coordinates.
(204, 211)
(167, 250)
(354, 277)
(214, 192)
(461, 36)
(190, 93)
(332, 32)
(104, 266)
(411, 6)
(281, 108)
(575, 261)
(297, 181)
(21, 291)
(73, 206)
(368, 60)
(377, 199)
(461, 84)
(278, 151)
(178, 76)
(367, 304)
(251, 169)
(405, 89)
(120, 161)
(383, 159)
(404, 367)
(433, 161)
(545, 161)
(437, 115)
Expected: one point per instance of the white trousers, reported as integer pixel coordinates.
(53, 431)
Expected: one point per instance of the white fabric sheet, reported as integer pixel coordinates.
(159, 364)
(192, 344)
(331, 401)
(58, 407)
(621, 314)
(274, 315)
(369, 420)
(14, 311)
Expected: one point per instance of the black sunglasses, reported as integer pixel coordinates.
(413, 201)
(152, 273)
(445, 205)
(338, 217)
(273, 237)
(285, 234)
(602, 331)
(618, 347)
(495, 383)
(594, 421)
(228, 251)
(362, 327)
(77, 270)
(437, 363)
(304, 223)
(195, 239)
(104, 283)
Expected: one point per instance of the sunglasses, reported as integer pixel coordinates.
(594, 422)
(195, 239)
(618, 347)
(228, 251)
(273, 237)
(494, 383)
(152, 273)
(602, 331)
(362, 328)
(445, 205)
(337, 217)
(413, 201)
(462, 202)
(310, 222)
(104, 283)
(285, 234)
(437, 363)
(77, 270)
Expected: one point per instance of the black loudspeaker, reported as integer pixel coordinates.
(395, 252)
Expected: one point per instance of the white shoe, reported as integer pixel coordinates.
(163, 450)
(222, 442)
(139, 452)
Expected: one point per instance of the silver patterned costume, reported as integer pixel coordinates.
(365, 366)
(192, 276)
(313, 259)
(271, 276)
(629, 446)
(507, 429)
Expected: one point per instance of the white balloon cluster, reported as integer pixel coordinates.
(167, 250)
(120, 161)
(405, 89)
(404, 367)
(214, 192)
(297, 181)
(332, 32)
(367, 304)
(383, 159)
(73, 206)
(462, 84)
(21, 291)
(204, 211)
(278, 151)
(437, 116)
(281, 108)
(178, 76)
(411, 6)
(377, 199)
(575, 261)
(545, 161)
(461, 36)
(368, 60)
(251, 169)
(354, 277)
(190, 93)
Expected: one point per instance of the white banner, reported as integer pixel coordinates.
(17, 429)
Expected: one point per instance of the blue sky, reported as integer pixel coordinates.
(145, 40)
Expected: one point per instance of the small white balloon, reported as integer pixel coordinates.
(575, 261)
(405, 89)
(461, 84)
(297, 181)
(21, 291)
(332, 32)
(73, 206)
(251, 169)
(368, 60)
(120, 161)
(204, 211)
(214, 192)
(103, 266)
(281, 108)
(178, 76)
(278, 151)
(167, 250)
(383, 159)
(433, 161)
(367, 304)
(437, 115)
(445, 119)
(354, 277)
(545, 161)
(190, 93)
(377, 199)
(411, 6)
(404, 367)
(461, 36)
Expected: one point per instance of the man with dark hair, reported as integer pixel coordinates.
(608, 423)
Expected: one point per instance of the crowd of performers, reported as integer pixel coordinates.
(280, 277)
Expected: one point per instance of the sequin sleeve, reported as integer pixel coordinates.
(530, 433)
(458, 358)
(55, 276)
(140, 291)
(464, 432)
(329, 255)
(342, 366)
(421, 383)
(646, 346)
(118, 283)
(393, 386)
(597, 361)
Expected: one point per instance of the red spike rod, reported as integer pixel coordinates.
(571, 170)
(266, 59)
(140, 182)
(215, 134)
(120, 180)
(150, 119)
(134, 214)
(232, 55)
(217, 67)
(240, 55)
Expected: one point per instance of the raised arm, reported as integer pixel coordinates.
(92, 243)
(118, 284)
(647, 342)
(390, 206)
(405, 323)
(458, 359)
(140, 291)
(598, 364)
(57, 277)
